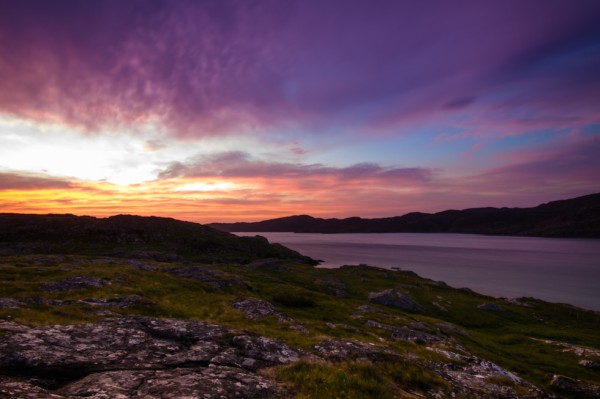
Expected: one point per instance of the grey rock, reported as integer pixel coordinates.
(339, 350)
(137, 356)
(9, 303)
(209, 382)
(492, 307)
(256, 309)
(300, 328)
(469, 376)
(75, 283)
(405, 333)
(396, 298)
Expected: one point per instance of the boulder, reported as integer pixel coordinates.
(256, 309)
(405, 333)
(396, 298)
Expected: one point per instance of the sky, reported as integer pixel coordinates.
(245, 110)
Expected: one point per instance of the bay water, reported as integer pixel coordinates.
(552, 269)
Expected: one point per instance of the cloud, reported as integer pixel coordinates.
(25, 181)
(221, 67)
(567, 168)
(237, 164)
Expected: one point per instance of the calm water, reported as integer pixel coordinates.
(556, 270)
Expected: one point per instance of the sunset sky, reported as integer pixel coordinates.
(248, 110)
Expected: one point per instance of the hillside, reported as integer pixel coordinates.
(133, 307)
(129, 236)
(577, 217)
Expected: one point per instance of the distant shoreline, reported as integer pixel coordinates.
(572, 218)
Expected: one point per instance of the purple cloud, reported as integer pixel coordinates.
(214, 67)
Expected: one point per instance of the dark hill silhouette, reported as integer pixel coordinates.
(157, 238)
(577, 217)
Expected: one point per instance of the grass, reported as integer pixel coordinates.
(357, 380)
(502, 337)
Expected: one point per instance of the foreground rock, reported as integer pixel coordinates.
(472, 376)
(139, 357)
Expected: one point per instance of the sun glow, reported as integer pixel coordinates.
(208, 186)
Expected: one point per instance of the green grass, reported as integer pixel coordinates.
(502, 337)
(357, 380)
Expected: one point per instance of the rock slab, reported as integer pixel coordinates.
(139, 357)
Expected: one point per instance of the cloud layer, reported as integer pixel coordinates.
(216, 67)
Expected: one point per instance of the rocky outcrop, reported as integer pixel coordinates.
(472, 376)
(139, 357)
(396, 298)
(256, 309)
(405, 333)
(339, 350)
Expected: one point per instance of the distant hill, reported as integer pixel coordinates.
(577, 217)
(129, 236)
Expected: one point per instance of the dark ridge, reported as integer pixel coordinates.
(162, 239)
(577, 217)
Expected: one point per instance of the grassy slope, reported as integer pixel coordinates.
(503, 337)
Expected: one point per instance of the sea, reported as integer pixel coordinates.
(564, 270)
